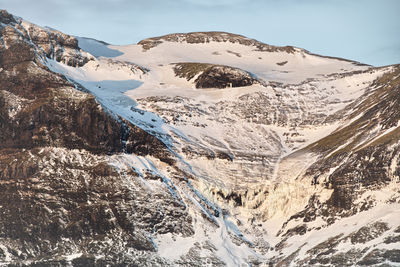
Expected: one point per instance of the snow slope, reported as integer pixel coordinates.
(230, 142)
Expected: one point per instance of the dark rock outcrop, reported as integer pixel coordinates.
(6, 18)
(214, 76)
(58, 46)
(223, 76)
(50, 43)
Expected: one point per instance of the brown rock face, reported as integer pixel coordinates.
(58, 46)
(214, 76)
(50, 43)
(223, 76)
(40, 108)
(57, 202)
(52, 113)
(60, 191)
(6, 17)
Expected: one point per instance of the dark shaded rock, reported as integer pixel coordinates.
(223, 76)
(65, 202)
(298, 230)
(281, 63)
(368, 233)
(287, 260)
(236, 197)
(325, 248)
(214, 76)
(224, 155)
(6, 17)
(49, 43)
(392, 239)
(84, 261)
(16, 53)
(379, 256)
(392, 255)
(346, 258)
(141, 242)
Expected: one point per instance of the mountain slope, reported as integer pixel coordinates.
(200, 148)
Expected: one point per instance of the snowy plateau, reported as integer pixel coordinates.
(195, 149)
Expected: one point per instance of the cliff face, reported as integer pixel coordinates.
(64, 202)
(59, 191)
(50, 43)
(366, 150)
(41, 108)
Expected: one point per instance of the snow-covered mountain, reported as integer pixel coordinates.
(197, 149)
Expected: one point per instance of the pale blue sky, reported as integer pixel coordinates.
(364, 30)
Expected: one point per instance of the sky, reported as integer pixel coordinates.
(367, 31)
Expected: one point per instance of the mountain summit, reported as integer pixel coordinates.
(193, 149)
(207, 37)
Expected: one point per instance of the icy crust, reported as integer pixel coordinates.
(97, 48)
(242, 132)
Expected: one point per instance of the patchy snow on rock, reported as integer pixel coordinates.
(242, 151)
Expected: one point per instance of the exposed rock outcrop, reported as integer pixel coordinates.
(58, 46)
(214, 76)
(51, 43)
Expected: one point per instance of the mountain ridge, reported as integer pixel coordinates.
(208, 36)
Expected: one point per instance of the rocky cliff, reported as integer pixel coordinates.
(54, 144)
